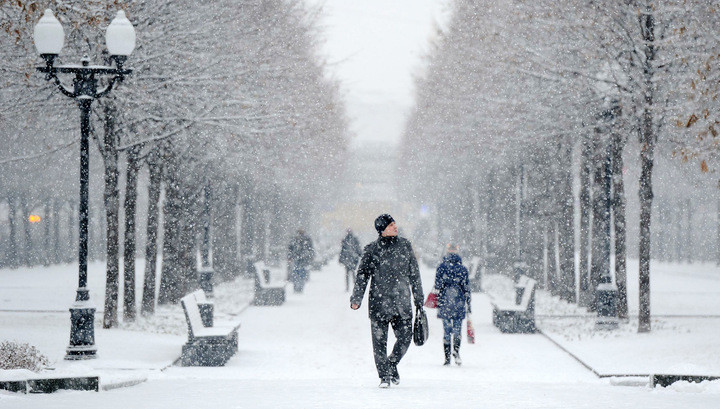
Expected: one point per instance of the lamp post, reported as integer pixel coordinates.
(206, 271)
(120, 40)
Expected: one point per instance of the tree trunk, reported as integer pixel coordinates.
(154, 188)
(224, 231)
(681, 233)
(600, 260)
(618, 204)
(72, 220)
(206, 222)
(129, 306)
(47, 248)
(56, 232)
(191, 226)
(260, 224)
(179, 272)
(12, 256)
(467, 221)
(586, 298)
(246, 245)
(689, 246)
(717, 238)
(647, 152)
(566, 225)
(276, 228)
(519, 214)
(91, 235)
(112, 209)
(553, 284)
(171, 287)
(29, 258)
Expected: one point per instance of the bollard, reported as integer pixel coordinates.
(519, 269)
(205, 281)
(606, 304)
(266, 276)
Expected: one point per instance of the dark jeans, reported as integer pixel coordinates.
(451, 327)
(299, 277)
(403, 334)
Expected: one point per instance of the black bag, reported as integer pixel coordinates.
(420, 327)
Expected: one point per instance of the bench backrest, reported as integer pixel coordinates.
(201, 298)
(263, 272)
(527, 301)
(192, 311)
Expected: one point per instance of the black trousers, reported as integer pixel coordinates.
(403, 334)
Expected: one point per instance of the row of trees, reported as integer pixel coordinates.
(228, 121)
(523, 101)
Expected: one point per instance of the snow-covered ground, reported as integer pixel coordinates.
(315, 352)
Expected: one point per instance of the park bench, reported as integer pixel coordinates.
(207, 345)
(475, 274)
(517, 316)
(269, 288)
(25, 381)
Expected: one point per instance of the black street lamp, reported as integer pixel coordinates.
(120, 40)
(206, 272)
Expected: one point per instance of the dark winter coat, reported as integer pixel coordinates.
(300, 251)
(452, 284)
(390, 265)
(350, 251)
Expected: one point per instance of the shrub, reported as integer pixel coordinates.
(21, 356)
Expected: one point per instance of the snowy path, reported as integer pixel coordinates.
(314, 352)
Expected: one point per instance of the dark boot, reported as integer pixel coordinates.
(394, 374)
(447, 354)
(456, 350)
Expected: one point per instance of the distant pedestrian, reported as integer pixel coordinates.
(392, 269)
(453, 290)
(349, 256)
(301, 253)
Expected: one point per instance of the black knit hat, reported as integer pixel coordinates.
(382, 222)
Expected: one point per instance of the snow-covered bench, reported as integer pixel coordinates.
(26, 381)
(269, 288)
(207, 345)
(518, 315)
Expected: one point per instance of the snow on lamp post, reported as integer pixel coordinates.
(49, 38)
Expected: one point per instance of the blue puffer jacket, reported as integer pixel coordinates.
(452, 284)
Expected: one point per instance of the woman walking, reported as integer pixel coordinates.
(453, 290)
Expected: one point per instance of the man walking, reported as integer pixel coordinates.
(300, 254)
(392, 269)
(349, 256)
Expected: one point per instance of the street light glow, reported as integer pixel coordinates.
(33, 218)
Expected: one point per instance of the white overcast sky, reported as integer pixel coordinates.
(374, 47)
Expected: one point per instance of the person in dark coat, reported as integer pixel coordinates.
(389, 264)
(349, 256)
(301, 253)
(453, 289)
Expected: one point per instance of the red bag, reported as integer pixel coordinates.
(431, 301)
(470, 331)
